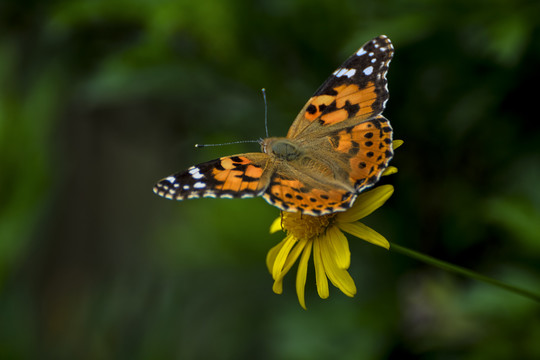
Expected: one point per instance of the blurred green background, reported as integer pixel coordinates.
(101, 98)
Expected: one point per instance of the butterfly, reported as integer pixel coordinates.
(338, 145)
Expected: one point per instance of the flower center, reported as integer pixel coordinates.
(304, 226)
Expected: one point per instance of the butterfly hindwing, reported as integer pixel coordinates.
(356, 90)
(366, 148)
(237, 176)
(290, 194)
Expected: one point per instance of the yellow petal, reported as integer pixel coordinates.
(289, 262)
(320, 274)
(366, 203)
(365, 233)
(272, 254)
(339, 277)
(339, 245)
(390, 171)
(276, 226)
(282, 255)
(293, 256)
(277, 288)
(301, 274)
(397, 143)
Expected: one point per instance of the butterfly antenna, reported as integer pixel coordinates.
(263, 90)
(227, 143)
(265, 111)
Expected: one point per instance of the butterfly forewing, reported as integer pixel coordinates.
(237, 176)
(356, 90)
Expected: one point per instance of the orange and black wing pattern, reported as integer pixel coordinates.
(357, 90)
(366, 148)
(291, 194)
(237, 176)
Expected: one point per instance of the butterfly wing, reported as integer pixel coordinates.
(291, 193)
(365, 151)
(356, 91)
(237, 176)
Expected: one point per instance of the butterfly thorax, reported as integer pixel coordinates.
(281, 148)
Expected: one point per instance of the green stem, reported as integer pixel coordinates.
(459, 270)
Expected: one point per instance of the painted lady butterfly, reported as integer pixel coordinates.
(337, 147)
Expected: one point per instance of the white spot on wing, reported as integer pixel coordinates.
(197, 176)
(171, 179)
(368, 70)
(345, 72)
(361, 52)
(195, 173)
(199, 185)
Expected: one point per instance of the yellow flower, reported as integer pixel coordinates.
(323, 236)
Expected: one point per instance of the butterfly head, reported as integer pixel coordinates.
(282, 148)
